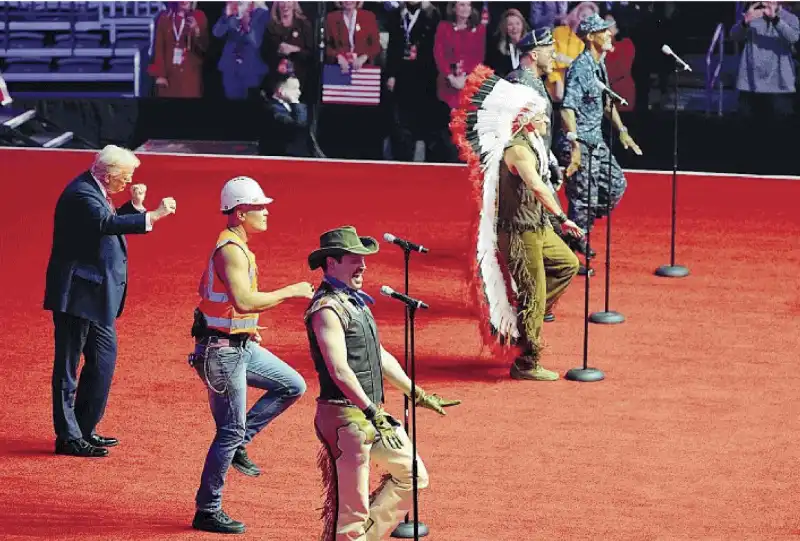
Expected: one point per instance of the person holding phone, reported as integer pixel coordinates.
(766, 78)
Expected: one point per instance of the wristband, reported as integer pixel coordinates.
(370, 412)
(562, 218)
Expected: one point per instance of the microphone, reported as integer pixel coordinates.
(389, 292)
(610, 92)
(405, 244)
(572, 136)
(667, 50)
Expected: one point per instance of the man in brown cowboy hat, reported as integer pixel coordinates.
(350, 421)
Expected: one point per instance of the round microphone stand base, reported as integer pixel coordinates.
(405, 530)
(672, 271)
(607, 318)
(585, 375)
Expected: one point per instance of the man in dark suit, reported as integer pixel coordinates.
(285, 130)
(86, 284)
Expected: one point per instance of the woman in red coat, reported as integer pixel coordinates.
(352, 36)
(459, 46)
(619, 61)
(181, 41)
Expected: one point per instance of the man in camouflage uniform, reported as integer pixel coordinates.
(582, 115)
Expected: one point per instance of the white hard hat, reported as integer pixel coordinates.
(242, 191)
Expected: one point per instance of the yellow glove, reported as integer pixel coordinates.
(385, 428)
(356, 416)
(434, 402)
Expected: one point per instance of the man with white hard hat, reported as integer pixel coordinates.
(228, 357)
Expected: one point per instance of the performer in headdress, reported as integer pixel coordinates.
(498, 130)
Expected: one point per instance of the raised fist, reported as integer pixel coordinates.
(138, 191)
(303, 290)
(167, 206)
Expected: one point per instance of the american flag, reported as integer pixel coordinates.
(362, 87)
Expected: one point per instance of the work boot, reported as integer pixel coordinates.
(216, 521)
(579, 245)
(527, 367)
(243, 463)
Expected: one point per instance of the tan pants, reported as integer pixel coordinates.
(542, 266)
(350, 512)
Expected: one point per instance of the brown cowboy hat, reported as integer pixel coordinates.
(342, 240)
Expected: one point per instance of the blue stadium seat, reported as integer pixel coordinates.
(121, 65)
(82, 40)
(132, 40)
(27, 65)
(25, 40)
(80, 65)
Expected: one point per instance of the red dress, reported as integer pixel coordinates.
(366, 39)
(619, 63)
(452, 46)
(178, 55)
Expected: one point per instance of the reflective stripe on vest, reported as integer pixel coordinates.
(217, 308)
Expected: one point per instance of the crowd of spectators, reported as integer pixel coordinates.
(425, 51)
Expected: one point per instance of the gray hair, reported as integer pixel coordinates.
(113, 158)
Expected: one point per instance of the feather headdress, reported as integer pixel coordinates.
(491, 112)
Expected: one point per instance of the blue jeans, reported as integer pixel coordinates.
(228, 371)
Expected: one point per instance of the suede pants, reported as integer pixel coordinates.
(542, 266)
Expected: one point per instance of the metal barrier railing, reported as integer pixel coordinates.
(107, 16)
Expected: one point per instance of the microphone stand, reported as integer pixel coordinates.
(406, 529)
(585, 373)
(319, 31)
(672, 270)
(608, 317)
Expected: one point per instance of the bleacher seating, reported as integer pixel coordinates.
(103, 43)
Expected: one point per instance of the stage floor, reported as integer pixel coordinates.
(694, 434)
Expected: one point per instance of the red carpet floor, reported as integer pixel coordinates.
(693, 435)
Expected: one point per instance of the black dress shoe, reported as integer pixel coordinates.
(243, 463)
(102, 441)
(79, 447)
(217, 522)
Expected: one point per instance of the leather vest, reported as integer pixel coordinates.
(518, 209)
(361, 339)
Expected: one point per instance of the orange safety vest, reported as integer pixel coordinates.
(214, 302)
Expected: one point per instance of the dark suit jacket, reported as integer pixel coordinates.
(87, 275)
(284, 132)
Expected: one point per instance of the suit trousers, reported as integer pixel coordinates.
(79, 403)
(542, 267)
(351, 513)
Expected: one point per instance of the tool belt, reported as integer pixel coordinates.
(203, 335)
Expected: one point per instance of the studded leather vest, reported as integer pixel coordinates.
(361, 339)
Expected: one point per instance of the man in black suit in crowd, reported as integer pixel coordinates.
(285, 130)
(86, 283)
